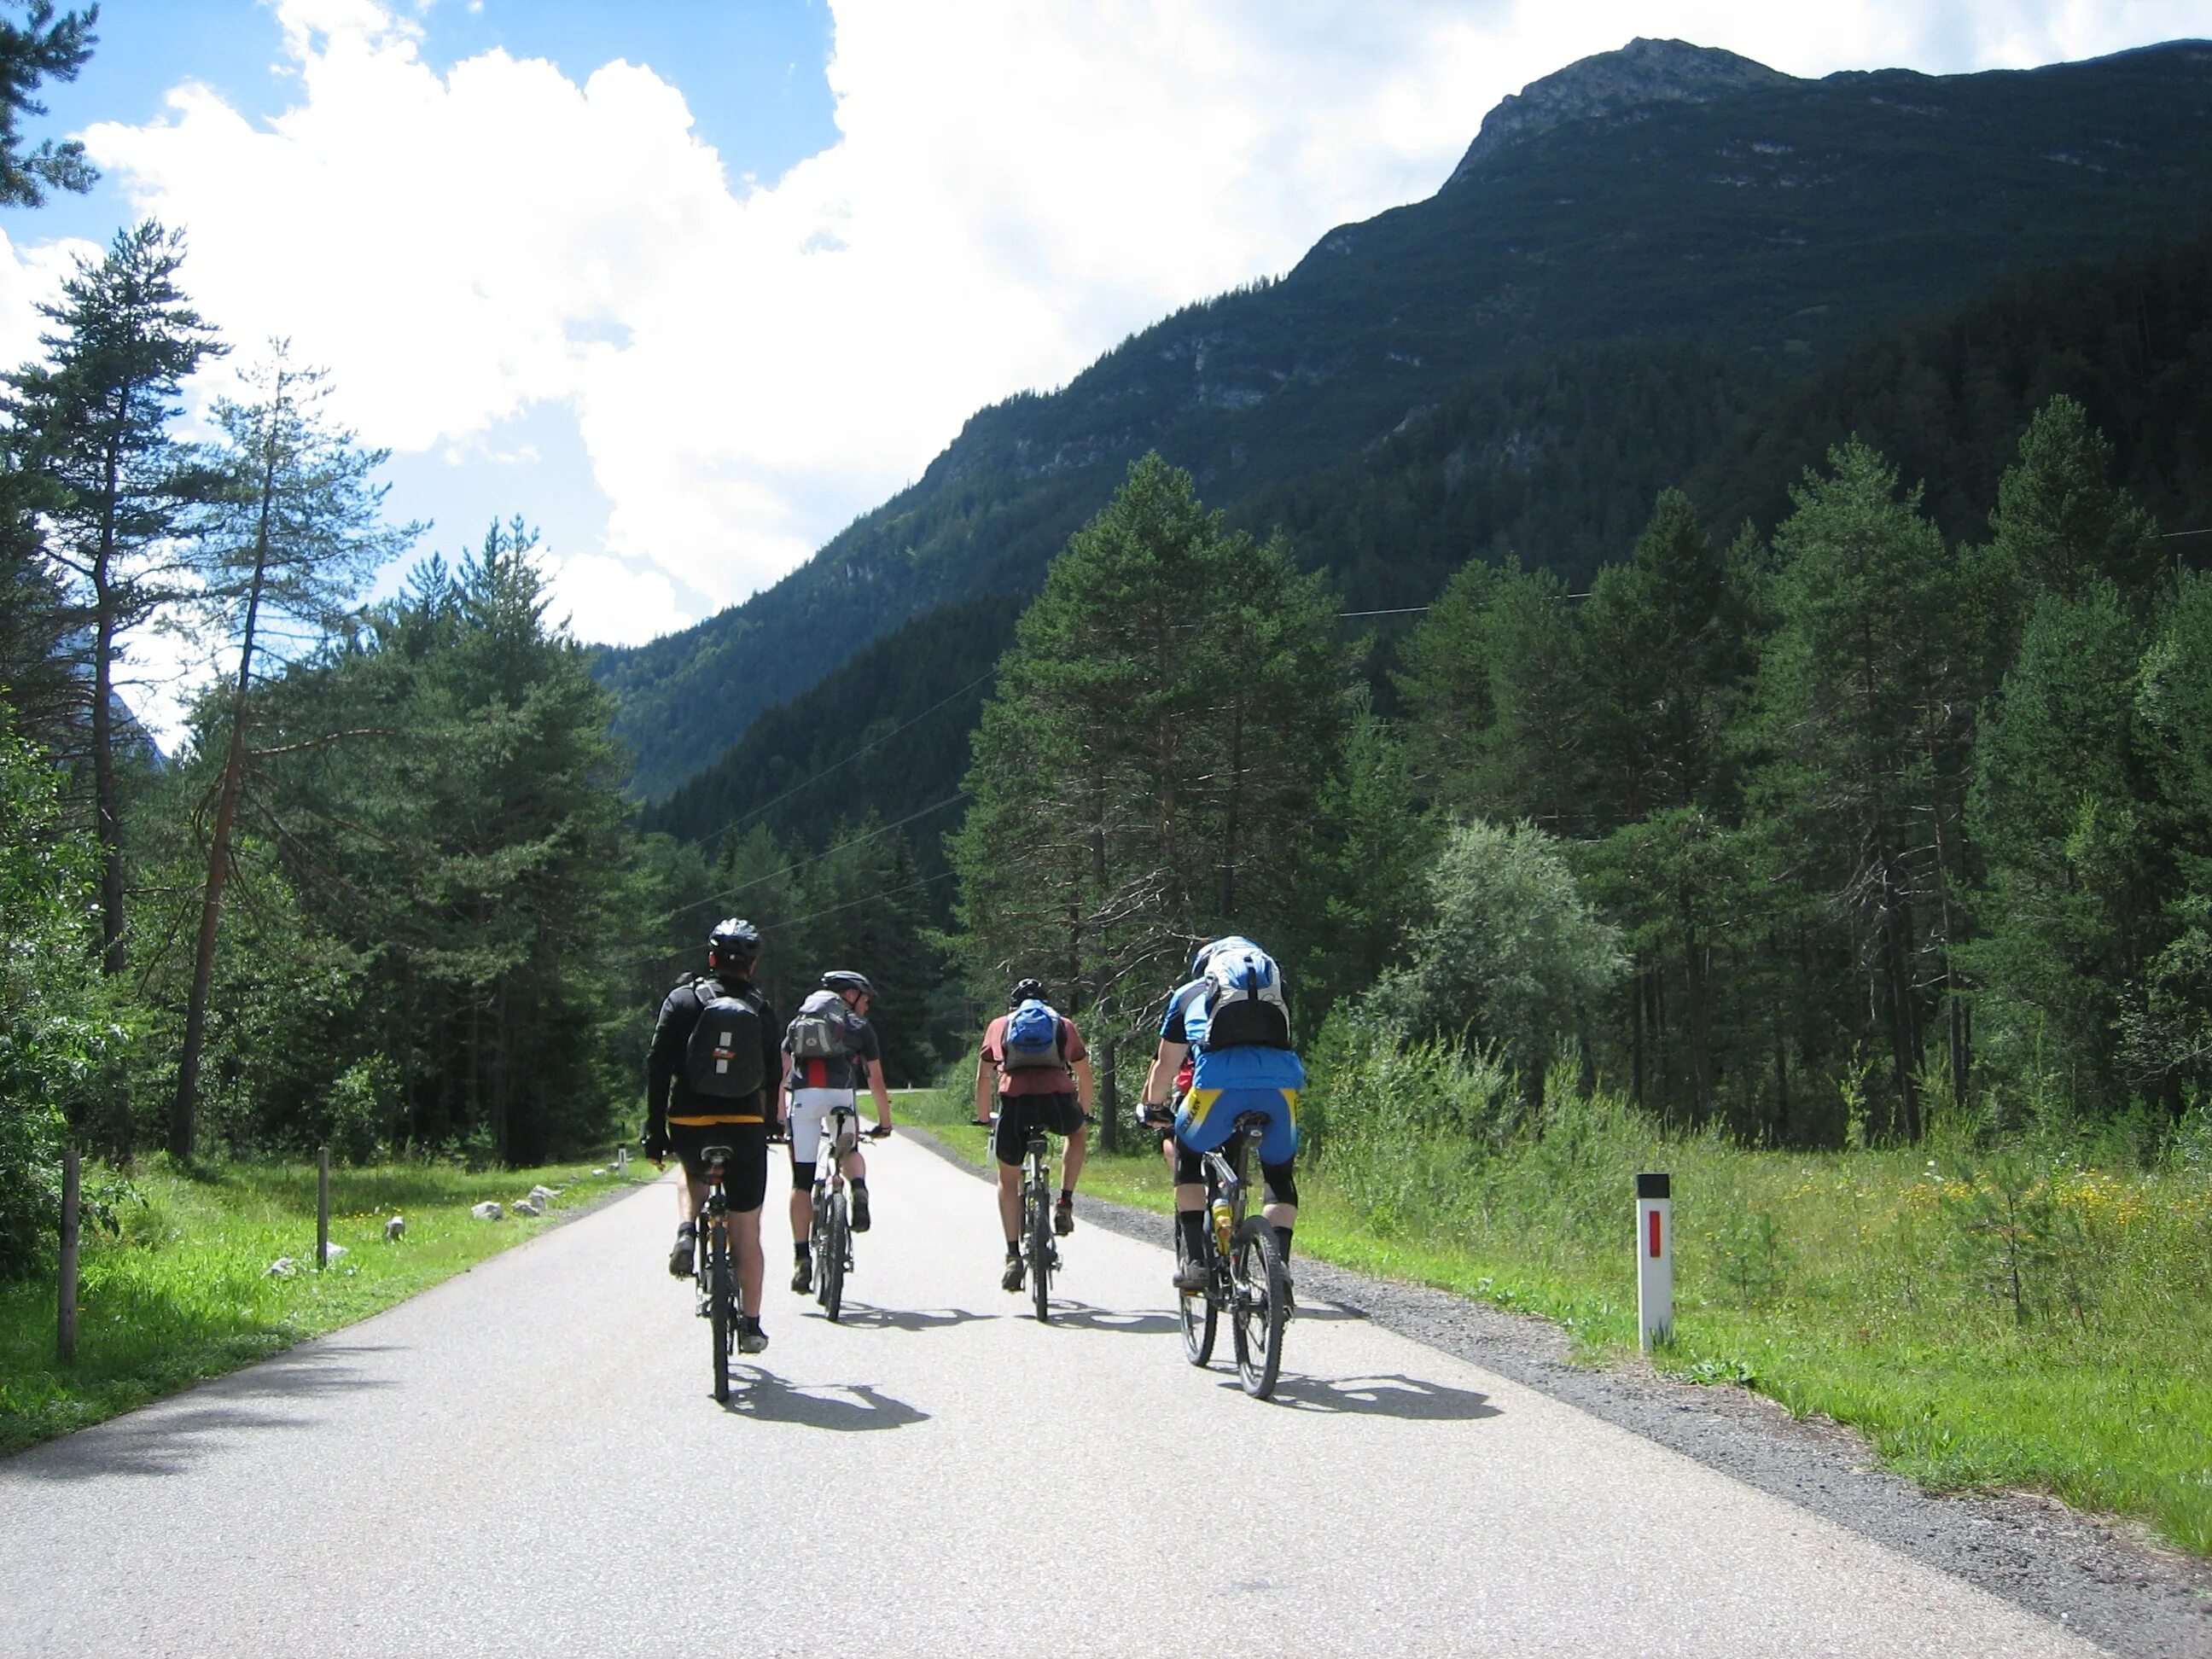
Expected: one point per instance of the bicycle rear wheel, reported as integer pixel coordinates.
(1198, 1315)
(1036, 1223)
(1262, 1304)
(830, 1244)
(721, 1292)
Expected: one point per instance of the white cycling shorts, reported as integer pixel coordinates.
(809, 1109)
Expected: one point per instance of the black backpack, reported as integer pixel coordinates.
(723, 1059)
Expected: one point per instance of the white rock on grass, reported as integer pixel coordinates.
(282, 1267)
(332, 1252)
(545, 1195)
(486, 1212)
(601, 1170)
(395, 1230)
(528, 1206)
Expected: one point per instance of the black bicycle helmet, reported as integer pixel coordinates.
(734, 944)
(1028, 990)
(841, 980)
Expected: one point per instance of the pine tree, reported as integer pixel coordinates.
(296, 535)
(1160, 727)
(1862, 713)
(2058, 815)
(93, 420)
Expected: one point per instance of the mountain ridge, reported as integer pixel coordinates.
(1774, 225)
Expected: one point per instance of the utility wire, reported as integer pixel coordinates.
(847, 759)
(1401, 610)
(862, 840)
(796, 922)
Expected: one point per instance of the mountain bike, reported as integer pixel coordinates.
(1242, 1266)
(1040, 1250)
(716, 1280)
(832, 1231)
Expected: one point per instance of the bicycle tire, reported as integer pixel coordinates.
(1261, 1284)
(1036, 1215)
(1198, 1317)
(721, 1326)
(830, 1246)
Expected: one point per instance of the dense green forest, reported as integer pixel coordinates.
(1805, 757)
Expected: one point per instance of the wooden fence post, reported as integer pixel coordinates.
(72, 1196)
(322, 1208)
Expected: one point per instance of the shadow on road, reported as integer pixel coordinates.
(846, 1407)
(1081, 1315)
(170, 1438)
(1397, 1395)
(864, 1318)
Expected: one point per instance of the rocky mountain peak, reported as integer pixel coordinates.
(1642, 72)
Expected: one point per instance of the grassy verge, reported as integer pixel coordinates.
(182, 1291)
(2035, 1316)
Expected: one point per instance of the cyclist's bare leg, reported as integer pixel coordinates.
(746, 1246)
(802, 1213)
(690, 1195)
(856, 1167)
(1071, 1163)
(1280, 1215)
(1189, 1194)
(1010, 1198)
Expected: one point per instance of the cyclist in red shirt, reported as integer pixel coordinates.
(1044, 1081)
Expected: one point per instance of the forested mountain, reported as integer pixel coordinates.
(1754, 223)
(1558, 464)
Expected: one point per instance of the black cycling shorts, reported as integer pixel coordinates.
(746, 1176)
(1280, 1180)
(1058, 1114)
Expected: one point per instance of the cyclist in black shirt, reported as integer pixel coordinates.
(686, 1112)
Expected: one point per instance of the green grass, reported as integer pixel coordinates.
(1872, 1287)
(181, 1292)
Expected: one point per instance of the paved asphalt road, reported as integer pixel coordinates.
(527, 1459)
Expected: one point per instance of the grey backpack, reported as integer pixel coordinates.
(823, 1028)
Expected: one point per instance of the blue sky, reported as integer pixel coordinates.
(691, 285)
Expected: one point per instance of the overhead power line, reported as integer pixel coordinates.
(828, 851)
(846, 760)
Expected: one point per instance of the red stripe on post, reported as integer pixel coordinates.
(1654, 1235)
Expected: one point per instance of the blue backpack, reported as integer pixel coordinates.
(1033, 1038)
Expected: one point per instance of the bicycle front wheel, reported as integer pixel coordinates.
(721, 1294)
(1036, 1217)
(829, 1248)
(1261, 1287)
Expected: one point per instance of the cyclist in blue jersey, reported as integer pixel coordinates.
(1225, 1081)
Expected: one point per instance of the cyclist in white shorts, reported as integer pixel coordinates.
(831, 1047)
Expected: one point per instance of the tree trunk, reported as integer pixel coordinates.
(106, 808)
(184, 1110)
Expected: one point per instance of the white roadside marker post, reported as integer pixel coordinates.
(1655, 1259)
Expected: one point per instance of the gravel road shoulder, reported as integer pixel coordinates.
(2124, 1596)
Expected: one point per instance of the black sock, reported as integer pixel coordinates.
(860, 1184)
(800, 1248)
(1067, 1194)
(1013, 1249)
(1283, 1241)
(1191, 1226)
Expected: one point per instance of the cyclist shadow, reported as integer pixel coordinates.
(1081, 1315)
(844, 1407)
(863, 1316)
(1394, 1395)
